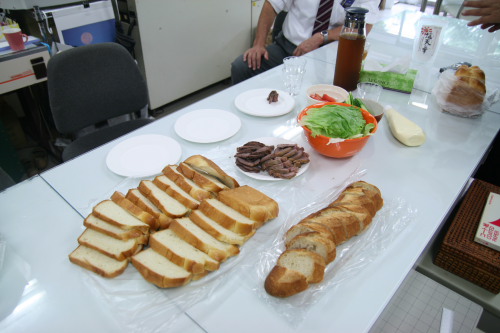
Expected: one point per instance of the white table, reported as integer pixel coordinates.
(41, 290)
(428, 179)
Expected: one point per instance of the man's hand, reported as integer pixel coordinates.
(254, 56)
(309, 45)
(489, 12)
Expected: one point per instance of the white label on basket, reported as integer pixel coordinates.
(488, 232)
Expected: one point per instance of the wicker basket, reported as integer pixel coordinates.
(459, 254)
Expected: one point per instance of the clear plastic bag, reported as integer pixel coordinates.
(449, 83)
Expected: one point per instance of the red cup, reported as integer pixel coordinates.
(15, 38)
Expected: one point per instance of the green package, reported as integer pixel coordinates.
(388, 80)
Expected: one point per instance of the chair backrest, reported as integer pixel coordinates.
(93, 83)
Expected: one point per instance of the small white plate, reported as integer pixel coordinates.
(143, 155)
(268, 141)
(207, 125)
(254, 102)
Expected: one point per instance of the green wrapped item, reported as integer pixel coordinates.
(392, 81)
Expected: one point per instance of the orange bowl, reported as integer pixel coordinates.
(346, 148)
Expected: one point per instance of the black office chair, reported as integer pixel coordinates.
(88, 86)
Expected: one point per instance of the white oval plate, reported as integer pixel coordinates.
(207, 125)
(264, 175)
(143, 155)
(254, 102)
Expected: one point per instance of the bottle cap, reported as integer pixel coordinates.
(355, 15)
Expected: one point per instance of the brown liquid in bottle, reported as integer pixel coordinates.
(349, 61)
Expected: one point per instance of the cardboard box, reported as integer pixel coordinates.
(488, 231)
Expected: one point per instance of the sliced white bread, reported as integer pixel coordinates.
(228, 217)
(174, 190)
(143, 202)
(95, 223)
(335, 220)
(309, 264)
(203, 241)
(203, 180)
(181, 253)
(160, 271)
(250, 202)
(162, 200)
(135, 210)
(109, 246)
(203, 164)
(307, 226)
(284, 282)
(186, 184)
(109, 211)
(314, 242)
(97, 262)
(218, 231)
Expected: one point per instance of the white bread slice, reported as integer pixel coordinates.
(194, 235)
(314, 242)
(218, 231)
(171, 188)
(186, 184)
(135, 210)
(109, 246)
(160, 271)
(227, 217)
(203, 164)
(109, 211)
(203, 180)
(95, 223)
(181, 253)
(284, 282)
(162, 200)
(143, 202)
(97, 262)
(250, 202)
(307, 226)
(309, 264)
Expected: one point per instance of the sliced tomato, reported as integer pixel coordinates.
(328, 98)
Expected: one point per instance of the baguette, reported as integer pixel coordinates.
(216, 230)
(135, 210)
(197, 237)
(203, 180)
(160, 271)
(174, 190)
(139, 199)
(314, 242)
(469, 89)
(109, 246)
(202, 164)
(189, 186)
(251, 203)
(168, 205)
(318, 234)
(110, 212)
(172, 247)
(97, 262)
(95, 223)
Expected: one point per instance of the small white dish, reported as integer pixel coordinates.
(207, 125)
(268, 141)
(254, 102)
(143, 155)
(338, 93)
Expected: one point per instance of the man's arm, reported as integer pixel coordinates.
(316, 40)
(253, 56)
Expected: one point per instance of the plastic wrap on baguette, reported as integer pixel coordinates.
(318, 234)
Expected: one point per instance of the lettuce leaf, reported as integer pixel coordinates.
(336, 121)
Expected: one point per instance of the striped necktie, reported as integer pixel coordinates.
(323, 16)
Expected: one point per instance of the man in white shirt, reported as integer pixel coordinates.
(297, 36)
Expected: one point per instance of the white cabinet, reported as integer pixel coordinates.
(186, 45)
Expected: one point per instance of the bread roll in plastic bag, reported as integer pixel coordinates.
(463, 93)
